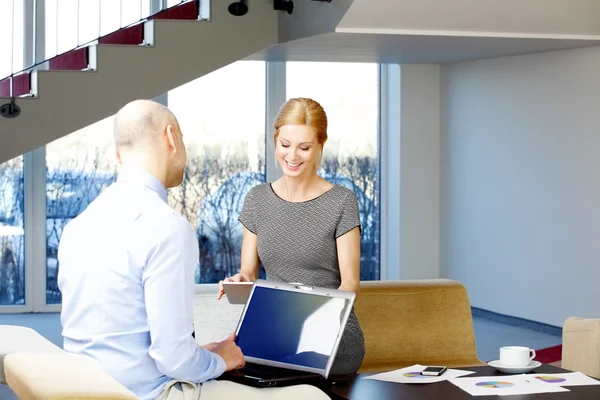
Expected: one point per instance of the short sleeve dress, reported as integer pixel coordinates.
(297, 243)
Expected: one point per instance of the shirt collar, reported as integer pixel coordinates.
(145, 178)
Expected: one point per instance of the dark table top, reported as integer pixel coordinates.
(355, 388)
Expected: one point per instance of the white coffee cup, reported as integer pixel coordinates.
(516, 356)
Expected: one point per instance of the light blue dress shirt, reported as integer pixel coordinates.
(127, 281)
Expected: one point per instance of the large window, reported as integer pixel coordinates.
(12, 239)
(349, 93)
(223, 119)
(78, 167)
(222, 116)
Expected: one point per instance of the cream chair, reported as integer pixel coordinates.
(416, 322)
(35, 369)
(62, 376)
(15, 339)
(581, 345)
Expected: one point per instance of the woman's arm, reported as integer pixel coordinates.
(250, 263)
(348, 252)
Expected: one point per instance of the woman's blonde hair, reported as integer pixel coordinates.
(303, 111)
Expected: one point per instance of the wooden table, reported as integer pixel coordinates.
(353, 387)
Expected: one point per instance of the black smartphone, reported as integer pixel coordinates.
(433, 371)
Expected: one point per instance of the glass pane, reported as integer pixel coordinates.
(110, 16)
(349, 93)
(79, 167)
(89, 21)
(67, 17)
(12, 33)
(223, 122)
(12, 238)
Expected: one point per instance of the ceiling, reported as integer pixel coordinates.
(410, 49)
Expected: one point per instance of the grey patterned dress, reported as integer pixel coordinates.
(297, 243)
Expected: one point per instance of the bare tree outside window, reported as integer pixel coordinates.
(70, 188)
(79, 167)
(12, 239)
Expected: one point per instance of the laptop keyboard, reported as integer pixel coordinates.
(269, 372)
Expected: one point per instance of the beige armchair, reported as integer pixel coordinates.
(416, 322)
(581, 345)
(36, 369)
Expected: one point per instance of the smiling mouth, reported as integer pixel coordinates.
(292, 165)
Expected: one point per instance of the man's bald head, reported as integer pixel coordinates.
(139, 121)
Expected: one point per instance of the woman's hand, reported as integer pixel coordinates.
(235, 278)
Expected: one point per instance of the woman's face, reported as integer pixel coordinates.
(296, 150)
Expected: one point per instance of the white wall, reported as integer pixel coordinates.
(419, 172)
(530, 18)
(521, 183)
(310, 18)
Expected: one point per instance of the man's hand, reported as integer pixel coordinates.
(210, 346)
(231, 353)
(235, 278)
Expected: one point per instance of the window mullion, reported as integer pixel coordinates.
(275, 97)
(36, 217)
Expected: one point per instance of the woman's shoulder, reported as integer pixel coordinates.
(343, 192)
(260, 189)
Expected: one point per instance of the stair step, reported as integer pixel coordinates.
(72, 60)
(133, 35)
(5, 87)
(21, 85)
(184, 11)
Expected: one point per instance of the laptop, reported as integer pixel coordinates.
(290, 333)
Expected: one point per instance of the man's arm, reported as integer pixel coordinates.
(168, 280)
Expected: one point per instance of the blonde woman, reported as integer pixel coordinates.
(302, 227)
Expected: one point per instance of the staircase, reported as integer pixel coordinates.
(161, 52)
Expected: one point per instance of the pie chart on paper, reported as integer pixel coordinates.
(550, 379)
(495, 384)
(415, 374)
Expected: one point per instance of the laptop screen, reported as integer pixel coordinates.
(292, 327)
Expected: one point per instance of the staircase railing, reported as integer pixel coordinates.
(34, 32)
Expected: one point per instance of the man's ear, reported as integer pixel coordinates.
(170, 132)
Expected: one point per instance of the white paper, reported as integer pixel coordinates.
(504, 385)
(565, 379)
(413, 375)
(214, 320)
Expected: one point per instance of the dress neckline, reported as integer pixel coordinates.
(301, 202)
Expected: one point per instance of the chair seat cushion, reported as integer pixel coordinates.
(36, 376)
(16, 339)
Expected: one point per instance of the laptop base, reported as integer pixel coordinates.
(262, 376)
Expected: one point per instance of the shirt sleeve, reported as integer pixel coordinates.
(349, 216)
(248, 215)
(168, 280)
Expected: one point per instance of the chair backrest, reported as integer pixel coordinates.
(581, 345)
(415, 322)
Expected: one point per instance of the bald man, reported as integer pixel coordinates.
(127, 275)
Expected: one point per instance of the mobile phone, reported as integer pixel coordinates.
(433, 371)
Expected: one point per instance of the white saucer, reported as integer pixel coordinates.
(514, 370)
